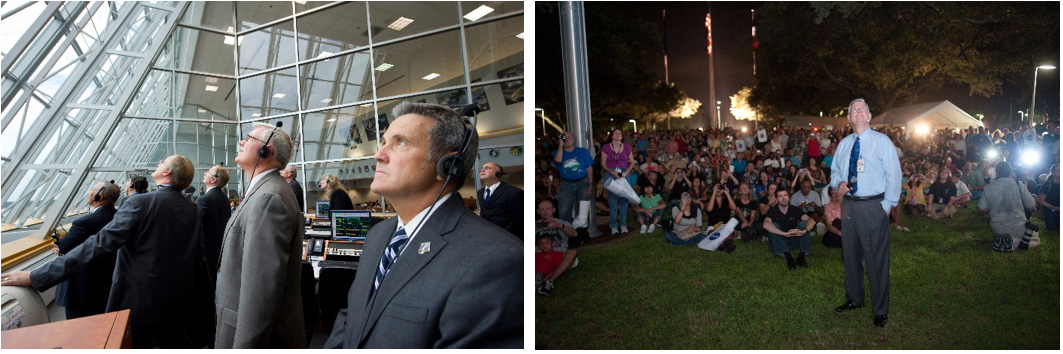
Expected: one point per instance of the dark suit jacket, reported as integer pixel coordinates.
(158, 237)
(505, 209)
(459, 284)
(298, 190)
(87, 290)
(214, 208)
(339, 200)
(258, 301)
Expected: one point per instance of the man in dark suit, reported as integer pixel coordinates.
(214, 208)
(500, 203)
(259, 304)
(289, 175)
(459, 284)
(158, 238)
(85, 294)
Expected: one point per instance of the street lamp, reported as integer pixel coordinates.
(718, 113)
(1032, 99)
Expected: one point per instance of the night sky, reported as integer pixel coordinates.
(688, 61)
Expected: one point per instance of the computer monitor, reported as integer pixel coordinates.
(350, 224)
(322, 210)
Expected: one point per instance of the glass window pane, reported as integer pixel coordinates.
(337, 81)
(494, 50)
(355, 175)
(477, 10)
(211, 14)
(205, 97)
(290, 125)
(202, 51)
(267, 48)
(301, 6)
(138, 144)
(343, 133)
(401, 18)
(501, 106)
(144, 30)
(155, 98)
(216, 143)
(332, 30)
(416, 68)
(250, 14)
(70, 140)
(111, 78)
(33, 194)
(268, 95)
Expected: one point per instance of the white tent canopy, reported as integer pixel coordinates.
(933, 115)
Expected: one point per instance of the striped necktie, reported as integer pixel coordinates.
(854, 156)
(390, 253)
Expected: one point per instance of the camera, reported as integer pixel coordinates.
(563, 137)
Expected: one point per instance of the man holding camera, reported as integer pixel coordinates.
(575, 165)
(1006, 201)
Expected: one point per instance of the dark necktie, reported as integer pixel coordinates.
(854, 156)
(390, 253)
(487, 195)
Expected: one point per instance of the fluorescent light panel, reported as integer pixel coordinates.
(279, 95)
(212, 80)
(401, 23)
(481, 11)
(257, 115)
(327, 100)
(212, 88)
(383, 67)
(430, 76)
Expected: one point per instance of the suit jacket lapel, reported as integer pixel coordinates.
(247, 197)
(443, 220)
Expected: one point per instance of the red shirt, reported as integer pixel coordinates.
(813, 148)
(547, 262)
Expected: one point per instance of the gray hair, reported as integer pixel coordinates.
(281, 141)
(291, 169)
(861, 100)
(181, 171)
(446, 135)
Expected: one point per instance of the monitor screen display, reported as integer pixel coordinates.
(348, 224)
(322, 210)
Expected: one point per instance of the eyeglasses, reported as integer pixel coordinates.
(251, 137)
(860, 109)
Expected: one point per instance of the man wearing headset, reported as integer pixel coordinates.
(85, 294)
(158, 239)
(456, 282)
(500, 203)
(258, 300)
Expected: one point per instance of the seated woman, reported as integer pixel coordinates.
(819, 178)
(942, 196)
(914, 200)
(687, 230)
(833, 211)
(649, 210)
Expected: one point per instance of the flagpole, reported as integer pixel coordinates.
(712, 71)
(664, 19)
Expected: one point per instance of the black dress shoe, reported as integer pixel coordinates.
(848, 306)
(801, 261)
(880, 320)
(790, 261)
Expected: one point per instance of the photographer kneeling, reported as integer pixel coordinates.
(1006, 200)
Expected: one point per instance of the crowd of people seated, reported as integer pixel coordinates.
(739, 174)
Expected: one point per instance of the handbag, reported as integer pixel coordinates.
(687, 233)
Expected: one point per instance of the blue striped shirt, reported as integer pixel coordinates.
(882, 169)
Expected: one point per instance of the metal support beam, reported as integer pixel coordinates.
(577, 84)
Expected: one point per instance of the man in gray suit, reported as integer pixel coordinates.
(258, 300)
(459, 284)
(158, 238)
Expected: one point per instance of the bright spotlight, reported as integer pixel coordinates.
(743, 129)
(1030, 157)
(922, 129)
(991, 154)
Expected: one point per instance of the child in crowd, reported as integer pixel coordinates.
(546, 261)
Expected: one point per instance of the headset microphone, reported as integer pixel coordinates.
(96, 198)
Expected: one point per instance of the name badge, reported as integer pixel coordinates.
(860, 165)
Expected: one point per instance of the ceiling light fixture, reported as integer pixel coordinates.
(521, 35)
(279, 95)
(202, 110)
(481, 11)
(430, 76)
(212, 88)
(212, 80)
(331, 120)
(327, 100)
(401, 23)
(257, 115)
(383, 67)
(324, 54)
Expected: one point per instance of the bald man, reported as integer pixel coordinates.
(500, 203)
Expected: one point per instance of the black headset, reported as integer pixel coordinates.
(500, 172)
(96, 198)
(263, 152)
(453, 165)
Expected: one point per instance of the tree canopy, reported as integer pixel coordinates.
(621, 59)
(896, 53)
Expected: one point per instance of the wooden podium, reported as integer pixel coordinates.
(106, 331)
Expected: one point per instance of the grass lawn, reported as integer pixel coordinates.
(948, 290)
